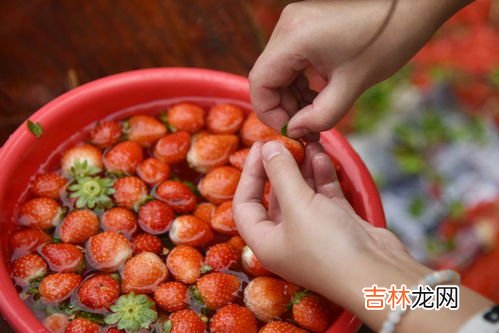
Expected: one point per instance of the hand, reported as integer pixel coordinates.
(352, 44)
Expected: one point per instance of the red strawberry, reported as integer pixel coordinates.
(173, 148)
(105, 134)
(223, 220)
(114, 330)
(177, 195)
(78, 226)
(251, 264)
(82, 325)
(238, 243)
(238, 158)
(99, 291)
(171, 296)
(143, 273)
(220, 184)
(266, 195)
(27, 268)
(190, 230)
(124, 157)
(311, 312)
(221, 256)
(233, 318)
(80, 155)
(119, 219)
(205, 211)
(145, 130)
(130, 192)
(107, 251)
(281, 327)
(211, 150)
(155, 217)
(224, 119)
(295, 147)
(56, 323)
(153, 171)
(186, 117)
(218, 289)
(268, 297)
(28, 240)
(48, 185)
(43, 213)
(63, 257)
(254, 130)
(147, 243)
(184, 321)
(185, 262)
(57, 287)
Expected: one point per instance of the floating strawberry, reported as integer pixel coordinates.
(223, 221)
(107, 251)
(211, 151)
(185, 262)
(105, 134)
(28, 240)
(155, 217)
(145, 130)
(145, 242)
(311, 312)
(186, 117)
(48, 185)
(123, 158)
(205, 211)
(57, 287)
(281, 327)
(190, 230)
(171, 296)
(143, 273)
(28, 268)
(221, 256)
(153, 171)
(63, 257)
(98, 292)
(184, 321)
(82, 325)
(295, 147)
(220, 184)
(224, 119)
(43, 213)
(233, 318)
(173, 148)
(56, 323)
(238, 243)
(177, 195)
(132, 313)
(78, 226)
(120, 220)
(216, 290)
(251, 264)
(92, 192)
(81, 161)
(130, 192)
(238, 158)
(254, 130)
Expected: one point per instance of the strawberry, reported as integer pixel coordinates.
(145, 242)
(56, 323)
(171, 296)
(82, 325)
(133, 313)
(233, 318)
(105, 134)
(221, 256)
(238, 243)
(173, 148)
(281, 327)
(295, 147)
(130, 192)
(216, 290)
(99, 291)
(190, 230)
(27, 268)
(177, 195)
(28, 240)
(123, 158)
(185, 262)
(251, 264)
(48, 185)
(268, 297)
(153, 171)
(81, 160)
(219, 184)
(224, 119)
(63, 257)
(266, 195)
(211, 150)
(119, 219)
(57, 287)
(143, 273)
(78, 226)
(205, 211)
(114, 330)
(155, 217)
(43, 213)
(254, 130)
(145, 130)
(238, 158)
(223, 220)
(186, 117)
(107, 251)
(184, 321)
(311, 312)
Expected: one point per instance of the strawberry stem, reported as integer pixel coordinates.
(92, 192)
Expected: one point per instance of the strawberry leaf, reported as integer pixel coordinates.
(35, 128)
(284, 130)
(132, 313)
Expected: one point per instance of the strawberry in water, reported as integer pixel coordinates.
(78, 226)
(233, 318)
(132, 313)
(107, 251)
(224, 119)
(238, 243)
(57, 287)
(145, 242)
(185, 263)
(220, 184)
(184, 321)
(82, 325)
(177, 195)
(105, 134)
(223, 221)
(205, 211)
(221, 256)
(145, 130)
(295, 147)
(56, 323)
(63, 257)
(123, 158)
(42, 213)
(99, 292)
(173, 148)
(211, 150)
(190, 230)
(216, 290)
(120, 220)
(311, 312)
(130, 192)
(254, 130)
(186, 117)
(28, 268)
(251, 264)
(28, 240)
(143, 273)
(81, 160)
(281, 327)
(171, 296)
(49, 185)
(153, 171)
(155, 217)
(238, 158)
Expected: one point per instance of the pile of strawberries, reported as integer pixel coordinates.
(116, 241)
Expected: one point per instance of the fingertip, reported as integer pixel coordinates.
(272, 149)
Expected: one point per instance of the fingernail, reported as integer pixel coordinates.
(271, 149)
(297, 132)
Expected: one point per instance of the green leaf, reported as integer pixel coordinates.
(132, 312)
(456, 209)
(284, 130)
(167, 326)
(416, 206)
(205, 269)
(35, 128)
(411, 163)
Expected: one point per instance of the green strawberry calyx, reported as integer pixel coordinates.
(92, 192)
(81, 169)
(132, 313)
(298, 296)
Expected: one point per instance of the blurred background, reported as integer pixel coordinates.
(429, 134)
